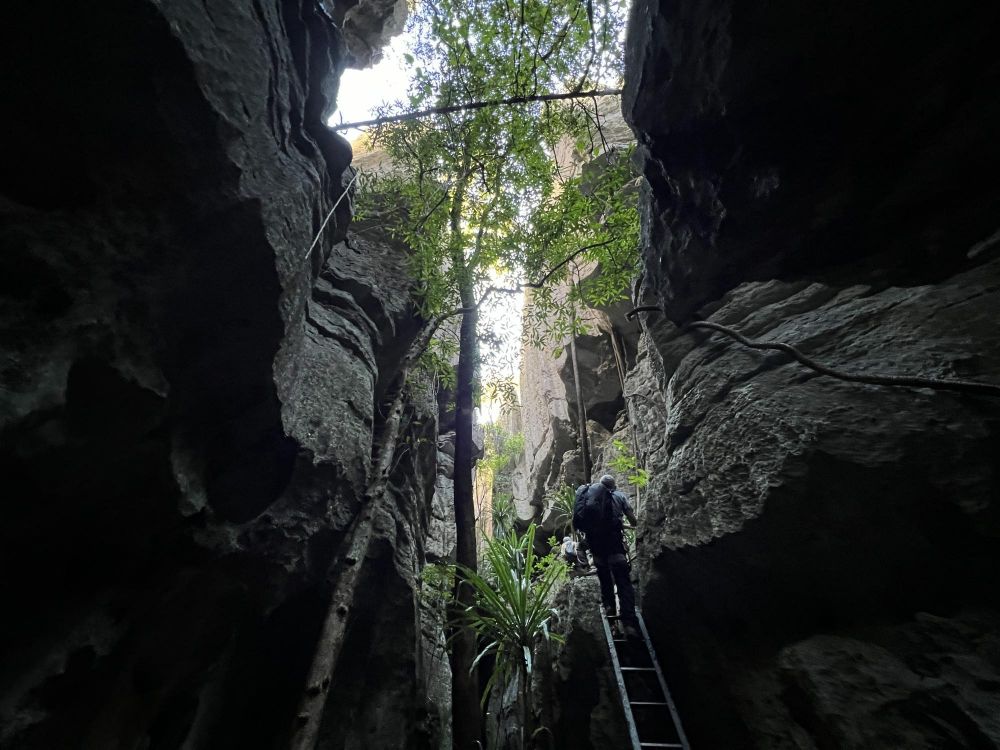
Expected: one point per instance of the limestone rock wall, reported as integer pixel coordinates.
(815, 553)
(548, 414)
(189, 394)
(576, 695)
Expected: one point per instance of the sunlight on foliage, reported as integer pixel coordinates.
(438, 361)
(597, 210)
(501, 450)
(495, 167)
(627, 465)
(504, 514)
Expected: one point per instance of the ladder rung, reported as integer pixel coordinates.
(680, 743)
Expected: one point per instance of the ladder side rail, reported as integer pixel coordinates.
(616, 666)
(663, 683)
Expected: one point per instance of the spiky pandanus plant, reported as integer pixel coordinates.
(504, 514)
(562, 501)
(512, 613)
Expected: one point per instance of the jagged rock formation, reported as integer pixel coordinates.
(190, 397)
(367, 26)
(576, 696)
(548, 405)
(815, 552)
(548, 410)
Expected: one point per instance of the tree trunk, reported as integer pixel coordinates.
(466, 716)
(304, 731)
(581, 410)
(465, 692)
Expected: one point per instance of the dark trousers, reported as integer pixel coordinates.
(612, 571)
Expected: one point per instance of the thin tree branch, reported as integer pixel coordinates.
(406, 116)
(428, 215)
(541, 282)
(522, 285)
(902, 381)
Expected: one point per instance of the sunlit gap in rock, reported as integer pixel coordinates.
(361, 92)
(361, 95)
(501, 365)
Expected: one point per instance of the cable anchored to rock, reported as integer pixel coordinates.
(452, 108)
(904, 381)
(327, 219)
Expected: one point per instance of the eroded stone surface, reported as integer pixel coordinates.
(189, 392)
(575, 688)
(797, 524)
(809, 501)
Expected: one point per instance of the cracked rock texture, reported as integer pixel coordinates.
(548, 412)
(368, 26)
(574, 686)
(189, 394)
(817, 556)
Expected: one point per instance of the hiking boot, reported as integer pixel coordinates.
(632, 632)
(610, 611)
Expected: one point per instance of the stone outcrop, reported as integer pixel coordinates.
(191, 389)
(368, 26)
(576, 696)
(814, 552)
(548, 417)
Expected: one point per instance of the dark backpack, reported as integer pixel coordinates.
(595, 510)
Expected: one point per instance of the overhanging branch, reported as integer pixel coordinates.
(522, 285)
(904, 381)
(568, 259)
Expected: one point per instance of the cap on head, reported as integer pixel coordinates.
(608, 481)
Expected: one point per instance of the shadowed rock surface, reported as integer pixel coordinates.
(189, 396)
(575, 689)
(816, 553)
(189, 401)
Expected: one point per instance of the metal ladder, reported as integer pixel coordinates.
(649, 710)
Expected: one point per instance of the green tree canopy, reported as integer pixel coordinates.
(475, 189)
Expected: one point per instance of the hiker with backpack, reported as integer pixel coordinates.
(598, 512)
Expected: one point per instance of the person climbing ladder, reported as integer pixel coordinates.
(598, 512)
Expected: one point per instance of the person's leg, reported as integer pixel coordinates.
(626, 593)
(581, 553)
(605, 576)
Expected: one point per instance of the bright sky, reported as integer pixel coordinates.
(361, 91)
